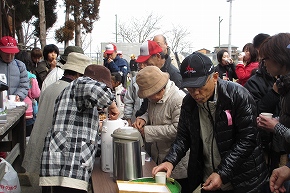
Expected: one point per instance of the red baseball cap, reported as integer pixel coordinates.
(8, 45)
(110, 48)
(148, 49)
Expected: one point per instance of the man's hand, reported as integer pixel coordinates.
(213, 182)
(113, 111)
(17, 98)
(139, 123)
(109, 60)
(278, 177)
(166, 166)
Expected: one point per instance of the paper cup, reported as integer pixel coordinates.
(160, 178)
(12, 97)
(143, 158)
(269, 115)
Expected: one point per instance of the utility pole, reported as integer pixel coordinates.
(220, 20)
(116, 29)
(230, 29)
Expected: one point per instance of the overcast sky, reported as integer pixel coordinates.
(199, 17)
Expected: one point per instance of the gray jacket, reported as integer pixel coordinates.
(161, 127)
(132, 101)
(43, 122)
(17, 78)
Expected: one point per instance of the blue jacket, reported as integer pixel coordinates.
(122, 65)
(17, 78)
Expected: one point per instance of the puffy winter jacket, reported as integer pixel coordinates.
(260, 85)
(242, 161)
(172, 71)
(283, 84)
(16, 76)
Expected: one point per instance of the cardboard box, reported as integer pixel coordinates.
(141, 187)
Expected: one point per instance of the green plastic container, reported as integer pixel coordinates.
(174, 187)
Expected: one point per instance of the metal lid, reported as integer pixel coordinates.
(128, 133)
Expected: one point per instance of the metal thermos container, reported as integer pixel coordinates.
(127, 142)
(108, 128)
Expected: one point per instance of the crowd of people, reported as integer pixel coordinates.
(202, 124)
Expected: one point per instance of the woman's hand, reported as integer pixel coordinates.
(267, 123)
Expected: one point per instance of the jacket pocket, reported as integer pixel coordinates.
(87, 155)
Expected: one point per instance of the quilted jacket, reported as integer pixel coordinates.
(242, 161)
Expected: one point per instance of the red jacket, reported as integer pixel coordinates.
(245, 72)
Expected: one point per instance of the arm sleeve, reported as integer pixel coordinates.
(129, 102)
(282, 131)
(23, 87)
(233, 70)
(113, 67)
(267, 100)
(241, 72)
(165, 132)
(41, 71)
(35, 91)
(143, 108)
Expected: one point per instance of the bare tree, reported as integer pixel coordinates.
(28, 38)
(139, 29)
(177, 38)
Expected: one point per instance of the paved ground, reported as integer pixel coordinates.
(29, 183)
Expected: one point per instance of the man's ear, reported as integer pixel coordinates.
(215, 76)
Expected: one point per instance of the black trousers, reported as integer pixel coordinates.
(217, 191)
(60, 189)
(184, 185)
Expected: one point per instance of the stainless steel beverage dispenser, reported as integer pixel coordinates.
(127, 163)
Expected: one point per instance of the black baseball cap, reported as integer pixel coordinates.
(195, 70)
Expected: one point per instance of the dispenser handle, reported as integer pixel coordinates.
(126, 123)
(104, 129)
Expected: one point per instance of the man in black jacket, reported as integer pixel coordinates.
(156, 54)
(217, 123)
(168, 66)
